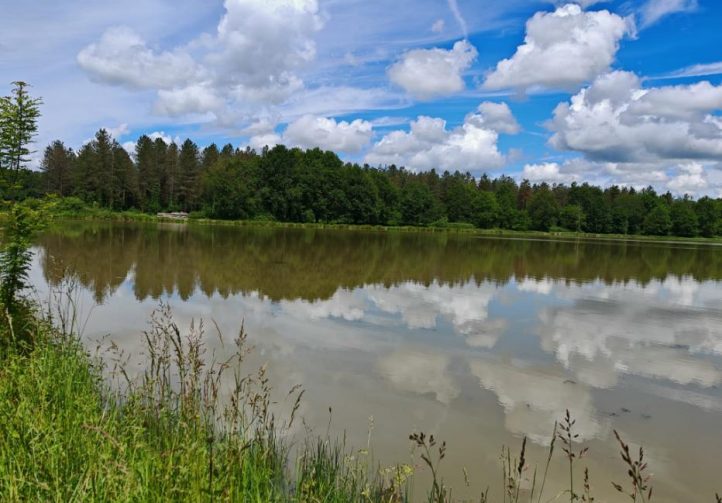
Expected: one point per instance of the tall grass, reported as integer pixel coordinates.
(172, 434)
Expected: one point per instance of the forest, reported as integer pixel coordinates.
(293, 185)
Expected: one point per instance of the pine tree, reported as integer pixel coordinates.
(170, 181)
(57, 166)
(145, 158)
(189, 168)
(126, 179)
(104, 167)
(19, 115)
(84, 176)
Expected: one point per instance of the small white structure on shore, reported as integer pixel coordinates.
(176, 215)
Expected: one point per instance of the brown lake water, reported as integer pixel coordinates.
(481, 341)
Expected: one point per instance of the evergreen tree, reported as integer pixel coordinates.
(105, 168)
(189, 176)
(148, 180)
(19, 114)
(57, 167)
(170, 181)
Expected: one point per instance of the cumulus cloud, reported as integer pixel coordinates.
(118, 131)
(544, 172)
(429, 144)
(562, 49)
(690, 180)
(615, 120)
(252, 60)
(495, 116)
(121, 57)
(654, 10)
(310, 131)
(692, 177)
(431, 73)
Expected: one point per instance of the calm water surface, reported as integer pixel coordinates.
(480, 341)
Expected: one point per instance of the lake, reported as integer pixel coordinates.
(481, 341)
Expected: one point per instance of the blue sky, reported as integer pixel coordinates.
(626, 92)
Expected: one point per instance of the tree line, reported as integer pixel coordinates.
(293, 185)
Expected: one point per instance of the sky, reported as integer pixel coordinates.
(624, 92)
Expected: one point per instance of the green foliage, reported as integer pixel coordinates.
(709, 215)
(543, 209)
(657, 222)
(57, 167)
(684, 219)
(16, 255)
(227, 192)
(19, 114)
(418, 204)
(485, 210)
(572, 218)
(15, 260)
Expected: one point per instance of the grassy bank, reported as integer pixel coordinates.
(169, 436)
(72, 209)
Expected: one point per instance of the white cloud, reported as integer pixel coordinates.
(454, 6)
(338, 100)
(562, 49)
(654, 10)
(118, 131)
(549, 172)
(129, 146)
(690, 180)
(252, 61)
(700, 70)
(429, 144)
(431, 73)
(689, 177)
(438, 26)
(269, 140)
(310, 131)
(616, 120)
(495, 116)
(161, 135)
(121, 57)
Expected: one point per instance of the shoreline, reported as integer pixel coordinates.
(451, 228)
